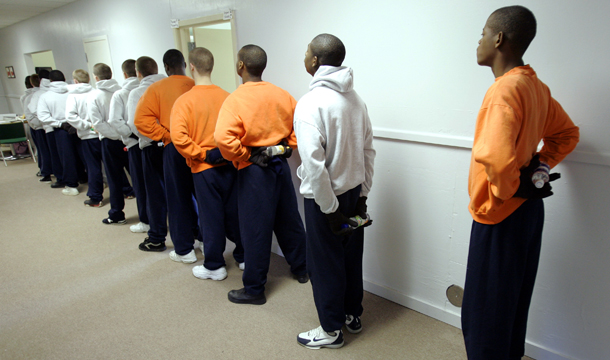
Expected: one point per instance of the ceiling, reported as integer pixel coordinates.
(14, 11)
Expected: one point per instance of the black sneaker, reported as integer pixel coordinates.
(242, 297)
(58, 185)
(109, 221)
(129, 197)
(303, 279)
(94, 203)
(353, 324)
(45, 179)
(147, 245)
(39, 174)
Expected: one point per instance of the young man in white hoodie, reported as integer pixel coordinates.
(335, 140)
(118, 120)
(114, 157)
(52, 113)
(152, 155)
(35, 126)
(90, 144)
(52, 157)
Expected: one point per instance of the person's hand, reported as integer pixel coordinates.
(527, 189)
(214, 157)
(259, 157)
(340, 224)
(287, 149)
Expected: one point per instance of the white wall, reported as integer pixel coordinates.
(415, 67)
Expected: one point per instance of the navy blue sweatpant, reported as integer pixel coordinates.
(181, 204)
(42, 149)
(156, 207)
(58, 170)
(267, 204)
(500, 275)
(137, 177)
(334, 263)
(92, 153)
(115, 162)
(216, 190)
(68, 155)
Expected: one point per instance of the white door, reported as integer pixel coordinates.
(97, 51)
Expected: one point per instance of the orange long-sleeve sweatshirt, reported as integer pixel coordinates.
(256, 114)
(154, 108)
(193, 122)
(517, 112)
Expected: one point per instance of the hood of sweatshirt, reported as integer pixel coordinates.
(44, 84)
(60, 87)
(338, 78)
(151, 79)
(110, 85)
(131, 83)
(29, 91)
(79, 88)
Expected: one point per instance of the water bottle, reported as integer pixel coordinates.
(541, 175)
(272, 151)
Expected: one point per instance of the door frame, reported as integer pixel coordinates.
(182, 36)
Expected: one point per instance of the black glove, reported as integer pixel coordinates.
(361, 210)
(527, 189)
(288, 150)
(259, 157)
(134, 136)
(69, 128)
(340, 224)
(214, 157)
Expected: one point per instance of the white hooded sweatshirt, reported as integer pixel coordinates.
(30, 116)
(118, 111)
(335, 138)
(33, 105)
(98, 107)
(76, 111)
(52, 106)
(132, 103)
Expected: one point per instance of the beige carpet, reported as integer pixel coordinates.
(73, 288)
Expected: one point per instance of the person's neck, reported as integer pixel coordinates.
(202, 79)
(246, 77)
(173, 72)
(504, 65)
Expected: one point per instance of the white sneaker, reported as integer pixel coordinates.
(139, 228)
(202, 273)
(318, 338)
(70, 191)
(242, 266)
(201, 247)
(187, 259)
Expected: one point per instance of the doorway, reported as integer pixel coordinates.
(217, 34)
(97, 51)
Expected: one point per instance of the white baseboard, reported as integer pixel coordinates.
(532, 350)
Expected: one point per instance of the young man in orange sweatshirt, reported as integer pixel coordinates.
(192, 126)
(255, 116)
(517, 112)
(152, 119)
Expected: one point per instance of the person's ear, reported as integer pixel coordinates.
(499, 39)
(97, 78)
(314, 62)
(192, 68)
(240, 67)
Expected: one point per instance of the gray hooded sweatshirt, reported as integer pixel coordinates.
(335, 139)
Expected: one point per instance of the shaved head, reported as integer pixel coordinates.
(129, 67)
(329, 49)
(102, 71)
(254, 59)
(35, 80)
(518, 25)
(56, 75)
(202, 59)
(147, 66)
